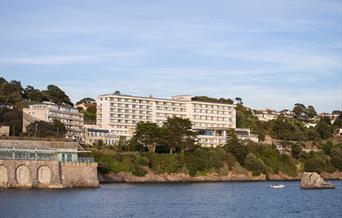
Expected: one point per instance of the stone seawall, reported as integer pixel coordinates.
(79, 174)
(47, 174)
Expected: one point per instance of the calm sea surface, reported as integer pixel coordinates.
(237, 199)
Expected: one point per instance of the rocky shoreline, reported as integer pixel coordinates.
(124, 177)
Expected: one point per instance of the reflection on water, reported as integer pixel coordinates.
(249, 199)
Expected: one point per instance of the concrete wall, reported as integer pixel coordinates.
(47, 174)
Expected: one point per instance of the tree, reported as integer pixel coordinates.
(10, 92)
(298, 109)
(239, 100)
(85, 100)
(56, 95)
(45, 129)
(246, 119)
(89, 114)
(60, 128)
(33, 94)
(13, 119)
(324, 128)
(254, 164)
(314, 164)
(287, 129)
(312, 134)
(338, 122)
(179, 134)
(212, 100)
(336, 158)
(239, 150)
(147, 134)
(310, 111)
(296, 149)
(232, 137)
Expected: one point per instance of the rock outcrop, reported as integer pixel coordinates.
(233, 175)
(178, 177)
(311, 180)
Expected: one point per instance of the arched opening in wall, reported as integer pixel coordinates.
(44, 175)
(3, 176)
(22, 175)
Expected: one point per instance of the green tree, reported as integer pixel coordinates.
(254, 164)
(299, 109)
(238, 100)
(89, 114)
(336, 158)
(13, 119)
(310, 111)
(338, 122)
(324, 128)
(314, 164)
(239, 150)
(180, 134)
(327, 148)
(287, 129)
(147, 134)
(296, 149)
(246, 119)
(56, 95)
(10, 92)
(85, 100)
(45, 129)
(59, 127)
(213, 100)
(312, 134)
(33, 94)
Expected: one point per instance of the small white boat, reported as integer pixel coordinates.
(277, 186)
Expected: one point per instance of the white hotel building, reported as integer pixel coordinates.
(47, 111)
(120, 114)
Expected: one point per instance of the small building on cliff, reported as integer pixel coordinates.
(45, 164)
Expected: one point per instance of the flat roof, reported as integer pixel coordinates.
(163, 99)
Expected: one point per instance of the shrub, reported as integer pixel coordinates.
(164, 163)
(254, 164)
(196, 162)
(296, 150)
(336, 158)
(240, 151)
(314, 165)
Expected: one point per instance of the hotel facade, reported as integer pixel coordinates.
(120, 114)
(47, 111)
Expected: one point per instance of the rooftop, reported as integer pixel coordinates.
(177, 98)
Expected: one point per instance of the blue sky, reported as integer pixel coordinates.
(270, 53)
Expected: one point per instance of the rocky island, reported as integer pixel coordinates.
(312, 180)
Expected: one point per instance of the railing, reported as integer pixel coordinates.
(21, 155)
(86, 159)
(26, 156)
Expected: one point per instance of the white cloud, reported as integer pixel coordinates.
(69, 58)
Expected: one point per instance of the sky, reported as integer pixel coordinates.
(272, 54)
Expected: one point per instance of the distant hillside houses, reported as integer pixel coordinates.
(309, 122)
(266, 114)
(86, 105)
(333, 116)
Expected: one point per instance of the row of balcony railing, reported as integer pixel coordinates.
(13, 155)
